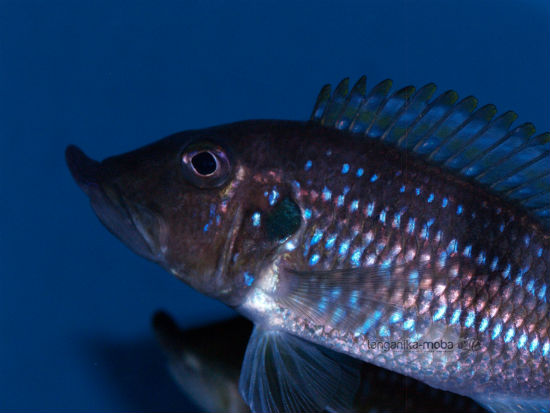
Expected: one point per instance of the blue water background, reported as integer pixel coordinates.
(109, 76)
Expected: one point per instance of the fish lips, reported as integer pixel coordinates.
(134, 225)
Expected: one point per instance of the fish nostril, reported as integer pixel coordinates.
(84, 170)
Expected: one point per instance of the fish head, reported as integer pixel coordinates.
(193, 203)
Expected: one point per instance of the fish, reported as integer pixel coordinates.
(406, 229)
(208, 370)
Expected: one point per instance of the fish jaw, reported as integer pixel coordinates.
(136, 226)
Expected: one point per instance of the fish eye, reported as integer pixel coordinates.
(206, 165)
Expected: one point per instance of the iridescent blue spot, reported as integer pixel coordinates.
(205, 228)
(545, 349)
(356, 257)
(410, 228)
(444, 203)
(373, 178)
(273, 196)
(345, 168)
(314, 259)
(459, 210)
(521, 273)
(344, 246)
(307, 213)
(417, 190)
(431, 198)
(307, 167)
(494, 264)
(370, 209)
(455, 318)
(386, 263)
(396, 317)
(326, 194)
(384, 331)
(408, 324)
(522, 340)
(370, 321)
(542, 292)
(397, 220)
(510, 333)
(452, 248)
(470, 319)
(338, 314)
(481, 258)
(360, 172)
(353, 297)
(483, 325)
(501, 228)
(506, 272)
(296, 184)
(442, 259)
(534, 344)
(539, 252)
(402, 189)
(256, 219)
(531, 287)
(354, 205)
(212, 210)
(519, 279)
(248, 279)
(335, 293)
(413, 275)
(340, 201)
(322, 306)
(383, 216)
(426, 229)
(496, 331)
(330, 242)
(467, 251)
(345, 190)
(317, 235)
(526, 240)
(440, 313)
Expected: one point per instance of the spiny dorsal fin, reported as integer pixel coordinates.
(508, 159)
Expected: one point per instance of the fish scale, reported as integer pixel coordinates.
(477, 305)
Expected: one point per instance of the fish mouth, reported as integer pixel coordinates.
(134, 225)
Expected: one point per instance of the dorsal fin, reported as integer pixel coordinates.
(477, 144)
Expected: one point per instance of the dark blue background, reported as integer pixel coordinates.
(75, 304)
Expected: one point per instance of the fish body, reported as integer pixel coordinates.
(207, 370)
(406, 232)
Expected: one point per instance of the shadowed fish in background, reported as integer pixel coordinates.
(393, 217)
(207, 371)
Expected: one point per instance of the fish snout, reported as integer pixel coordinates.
(133, 224)
(85, 170)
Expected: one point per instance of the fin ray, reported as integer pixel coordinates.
(283, 373)
(473, 143)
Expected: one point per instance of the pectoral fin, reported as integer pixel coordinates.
(283, 373)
